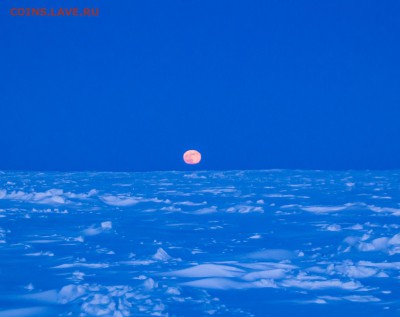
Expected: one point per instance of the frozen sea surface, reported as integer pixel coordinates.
(234, 243)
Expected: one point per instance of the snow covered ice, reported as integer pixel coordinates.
(208, 243)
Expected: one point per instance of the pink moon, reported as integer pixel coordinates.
(192, 157)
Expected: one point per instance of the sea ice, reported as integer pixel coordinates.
(264, 242)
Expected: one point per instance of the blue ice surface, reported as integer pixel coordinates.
(207, 243)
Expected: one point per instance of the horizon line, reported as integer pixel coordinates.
(202, 170)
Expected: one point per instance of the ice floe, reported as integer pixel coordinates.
(193, 244)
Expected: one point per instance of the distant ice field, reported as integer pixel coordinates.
(207, 243)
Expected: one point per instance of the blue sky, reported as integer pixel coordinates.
(255, 84)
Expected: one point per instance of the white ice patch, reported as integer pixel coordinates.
(323, 209)
(138, 262)
(356, 227)
(218, 191)
(352, 298)
(41, 253)
(207, 210)
(269, 274)
(315, 285)
(106, 225)
(70, 292)
(171, 209)
(189, 203)
(84, 196)
(393, 211)
(115, 301)
(194, 176)
(120, 201)
(243, 209)
(51, 197)
(82, 264)
(353, 271)
(382, 265)
(173, 291)
(267, 266)
(207, 270)
(279, 195)
(161, 255)
(395, 240)
(150, 284)
(390, 245)
(362, 298)
(95, 230)
(224, 284)
(334, 227)
(2, 235)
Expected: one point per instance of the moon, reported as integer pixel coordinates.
(192, 157)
